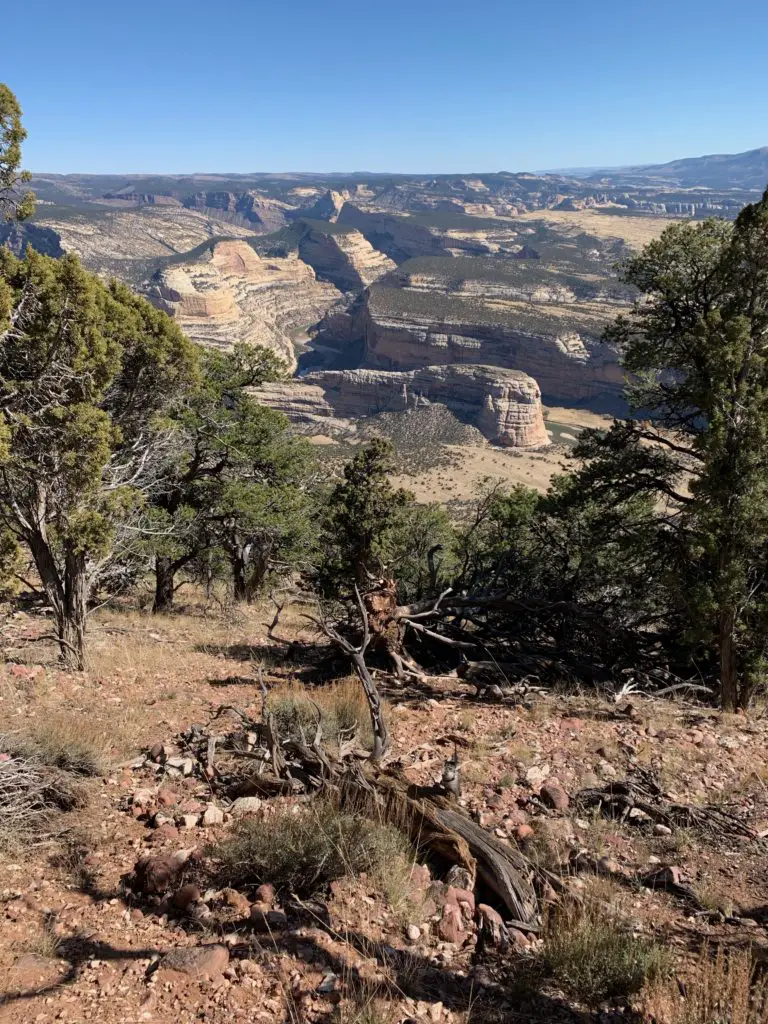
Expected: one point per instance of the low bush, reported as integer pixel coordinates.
(32, 795)
(342, 705)
(305, 851)
(594, 958)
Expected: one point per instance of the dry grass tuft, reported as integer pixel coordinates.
(342, 705)
(71, 743)
(303, 851)
(589, 953)
(363, 1003)
(45, 944)
(725, 990)
(31, 796)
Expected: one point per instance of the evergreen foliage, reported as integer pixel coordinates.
(87, 372)
(14, 205)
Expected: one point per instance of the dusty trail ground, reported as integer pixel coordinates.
(74, 948)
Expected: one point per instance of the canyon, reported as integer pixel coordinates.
(505, 405)
(486, 293)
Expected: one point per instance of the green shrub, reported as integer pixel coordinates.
(591, 955)
(304, 852)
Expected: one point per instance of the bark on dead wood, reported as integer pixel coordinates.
(357, 656)
(443, 832)
(641, 793)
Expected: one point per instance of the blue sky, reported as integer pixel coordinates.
(401, 85)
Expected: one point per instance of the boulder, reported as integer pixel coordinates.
(196, 961)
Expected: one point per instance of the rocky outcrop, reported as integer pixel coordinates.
(343, 257)
(233, 295)
(124, 243)
(262, 213)
(546, 324)
(505, 405)
(328, 206)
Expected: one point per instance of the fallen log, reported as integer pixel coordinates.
(443, 833)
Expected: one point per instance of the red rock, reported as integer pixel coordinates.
(266, 894)
(450, 927)
(154, 875)
(464, 898)
(420, 877)
(492, 931)
(553, 795)
(196, 961)
(163, 834)
(166, 797)
(523, 833)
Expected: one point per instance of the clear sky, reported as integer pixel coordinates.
(393, 85)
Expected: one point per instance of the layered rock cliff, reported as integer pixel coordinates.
(232, 295)
(125, 243)
(262, 213)
(505, 405)
(545, 320)
(342, 256)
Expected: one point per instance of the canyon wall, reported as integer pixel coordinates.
(505, 405)
(234, 295)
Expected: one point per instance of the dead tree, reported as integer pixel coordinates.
(357, 657)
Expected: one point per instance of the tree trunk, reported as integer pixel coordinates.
(259, 567)
(729, 682)
(68, 597)
(239, 572)
(165, 572)
(72, 618)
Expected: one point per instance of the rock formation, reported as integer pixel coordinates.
(505, 405)
(233, 295)
(124, 243)
(532, 318)
(263, 213)
(343, 257)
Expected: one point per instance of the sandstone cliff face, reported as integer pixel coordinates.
(559, 346)
(117, 242)
(264, 214)
(236, 296)
(345, 258)
(505, 405)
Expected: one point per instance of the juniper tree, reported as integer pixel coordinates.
(14, 204)
(86, 373)
(239, 485)
(696, 345)
(371, 527)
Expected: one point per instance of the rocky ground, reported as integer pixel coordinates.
(83, 940)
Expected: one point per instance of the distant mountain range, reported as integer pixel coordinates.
(719, 171)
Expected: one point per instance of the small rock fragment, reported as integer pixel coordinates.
(553, 795)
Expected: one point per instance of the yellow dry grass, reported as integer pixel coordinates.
(635, 231)
(470, 466)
